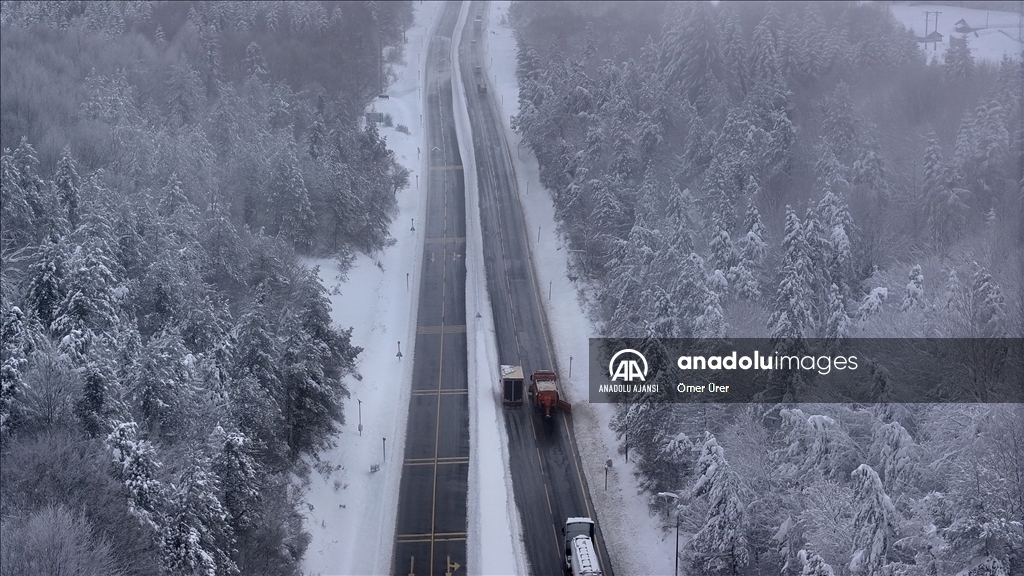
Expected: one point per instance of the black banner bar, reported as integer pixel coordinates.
(985, 370)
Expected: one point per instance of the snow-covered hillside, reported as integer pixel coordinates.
(1000, 34)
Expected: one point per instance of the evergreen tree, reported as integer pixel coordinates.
(793, 313)
(255, 63)
(943, 204)
(721, 544)
(913, 297)
(958, 61)
(690, 51)
(752, 249)
(987, 308)
(18, 339)
(734, 55)
(197, 540)
(872, 303)
(135, 465)
(817, 444)
(874, 525)
(292, 211)
(163, 385)
(837, 322)
(68, 183)
(22, 202)
(93, 294)
(46, 289)
(92, 408)
(723, 254)
(764, 64)
(813, 564)
(239, 478)
(893, 447)
(838, 230)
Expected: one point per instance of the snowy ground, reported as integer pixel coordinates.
(1000, 37)
(621, 510)
(351, 511)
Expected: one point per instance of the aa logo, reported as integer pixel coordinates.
(627, 369)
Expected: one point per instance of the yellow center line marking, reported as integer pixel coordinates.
(435, 539)
(433, 462)
(558, 543)
(446, 391)
(450, 329)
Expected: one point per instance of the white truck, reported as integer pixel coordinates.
(580, 554)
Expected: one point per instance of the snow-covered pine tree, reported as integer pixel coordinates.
(734, 54)
(22, 200)
(711, 322)
(893, 448)
(46, 287)
(872, 303)
(92, 306)
(93, 407)
(690, 52)
(988, 307)
(958, 63)
(68, 186)
(914, 295)
(793, 312)
(721, 545)
(839, 125)
(817, 444)
(752, 249)
(135, 465)
(197, 539)
(943, 204)
(163, 386)
(809, 38)
(173, 199)
(292, 212)
(874, 525)
(813, 564)
(20, 335)
(839, 230)
(723, 254)
(764, 64)
(820, 255)
(837, 321)
(255, 63)
(240, 477)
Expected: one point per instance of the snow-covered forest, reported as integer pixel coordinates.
(793, 170)
(169, 365)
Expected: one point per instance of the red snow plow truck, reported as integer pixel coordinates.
(544, 393)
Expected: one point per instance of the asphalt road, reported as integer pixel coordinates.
(547, 477)
(430, 533)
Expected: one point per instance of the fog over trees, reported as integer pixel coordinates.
(793, 170)
(168, 364)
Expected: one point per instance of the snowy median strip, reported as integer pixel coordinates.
(490, 480)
